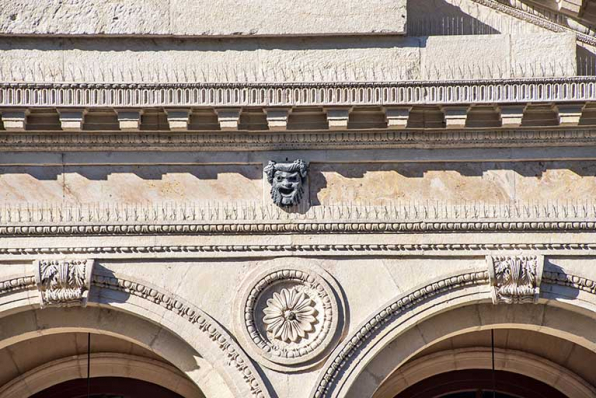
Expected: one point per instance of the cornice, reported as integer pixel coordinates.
(122, 95)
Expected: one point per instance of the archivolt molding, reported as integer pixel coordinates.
(342, 356)
(489, 91)
(104, 365)
(222, 140)
(530, 365)
(347, 352)
(235, 357)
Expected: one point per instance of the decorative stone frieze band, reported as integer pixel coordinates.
(123, 95)
(304, 250)
(515, 279)
(305, 227)
(63, 282)
(297, 140)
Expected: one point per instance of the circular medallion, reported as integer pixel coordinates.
(290, 317)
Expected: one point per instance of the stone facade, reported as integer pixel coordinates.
(325, 199)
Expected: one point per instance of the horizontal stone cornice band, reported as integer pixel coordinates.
(296, 140)
(239, 228)
(302, 250)
(488, 91)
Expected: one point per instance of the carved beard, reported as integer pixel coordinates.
(288, 199)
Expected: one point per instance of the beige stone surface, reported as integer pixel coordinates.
(499, 56)
(131, 184)
(452, 182)
(295, 59)
(202, 17)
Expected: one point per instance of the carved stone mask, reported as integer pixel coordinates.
(286, 181)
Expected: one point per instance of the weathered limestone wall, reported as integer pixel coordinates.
(296, 59)
(330, 184)
(202, 17)
(454, 182)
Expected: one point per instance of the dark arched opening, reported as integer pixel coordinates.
(478, 383)
(106, 387)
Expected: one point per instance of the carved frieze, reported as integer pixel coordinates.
(515, 279)
(63, 282)
(287, 181)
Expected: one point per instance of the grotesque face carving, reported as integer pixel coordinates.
(286, 181)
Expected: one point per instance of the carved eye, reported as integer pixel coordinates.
(279, 178)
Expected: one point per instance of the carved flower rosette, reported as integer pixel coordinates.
(290, 317)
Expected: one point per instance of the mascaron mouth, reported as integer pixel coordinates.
(286, 191)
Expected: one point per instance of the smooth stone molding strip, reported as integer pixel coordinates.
(122, 95)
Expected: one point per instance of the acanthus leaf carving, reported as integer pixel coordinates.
(515, 279)
(63, 282)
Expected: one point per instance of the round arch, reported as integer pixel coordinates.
(104, 365)
(445, 307)
(136, 311)
(471, 358)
